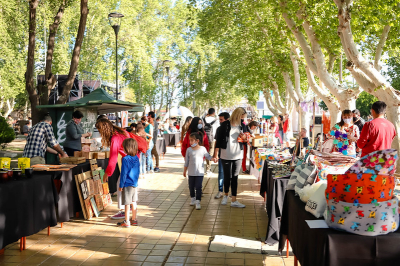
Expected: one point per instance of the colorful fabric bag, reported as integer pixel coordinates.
(363, 219)
(360, 188)
(381, 162)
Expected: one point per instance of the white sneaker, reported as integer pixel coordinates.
(193, 202)
(219, 195)
(237, 204)
(198, 206)
(224, 200)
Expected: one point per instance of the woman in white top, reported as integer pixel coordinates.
(230, 141)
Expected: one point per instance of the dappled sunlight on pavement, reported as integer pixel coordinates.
(170, 231)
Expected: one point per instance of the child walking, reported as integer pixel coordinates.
(129, 181)
(194, 160)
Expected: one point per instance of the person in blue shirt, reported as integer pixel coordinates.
(129, 181)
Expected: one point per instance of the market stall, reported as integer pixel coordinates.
(340, 210)
(324, 246)
(261, 155)
(96, 103)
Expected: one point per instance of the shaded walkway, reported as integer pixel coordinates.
(170, 232)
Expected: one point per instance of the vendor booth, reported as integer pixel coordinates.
(34, 198)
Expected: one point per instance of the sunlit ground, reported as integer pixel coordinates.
(170, 232)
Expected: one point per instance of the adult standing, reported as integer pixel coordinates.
(346, 126)
(112, 137)
(280, 127)
(222, 118)
(36, 142)
(287, 130)
(358, 120)
(210, 128)
(231, 154)
(195, 126)
(151, 116)
(275, 130)
(244, 129)
(149, 129)
(73, 134)
(10, 121)
(378, 134)
(25, 128)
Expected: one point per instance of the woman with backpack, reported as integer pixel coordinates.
(195, 126)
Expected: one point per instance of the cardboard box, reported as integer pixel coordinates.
(99, 155)
(5, 162)
(77, 154)
(72, 160)
(107, 154)
(258, 142)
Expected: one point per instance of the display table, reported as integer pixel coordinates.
(27, 206)
(161, 147)
(332, 247)
(273, 189)
(69, 204)
(172, 139)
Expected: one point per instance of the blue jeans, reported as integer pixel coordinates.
(142, 163)
(220, 176)
(150, 157)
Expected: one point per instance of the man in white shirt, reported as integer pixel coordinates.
(211, 124)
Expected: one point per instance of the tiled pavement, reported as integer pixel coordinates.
(170, 232)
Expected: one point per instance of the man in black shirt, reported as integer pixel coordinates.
(357, 120)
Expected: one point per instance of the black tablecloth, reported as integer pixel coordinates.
(332, 247)
(26, 207)
(172, 139)
(160, 146)
(69, 204)
(112, 180)
(275, 189)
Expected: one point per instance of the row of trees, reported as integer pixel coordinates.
(294, 47)
(67, 37)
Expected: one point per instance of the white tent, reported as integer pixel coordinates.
(179, 111)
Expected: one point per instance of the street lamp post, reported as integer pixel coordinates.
(115, 21)
(166, 64)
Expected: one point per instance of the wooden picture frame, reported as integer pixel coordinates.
(94, 207)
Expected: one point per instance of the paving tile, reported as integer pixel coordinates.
(163, 212)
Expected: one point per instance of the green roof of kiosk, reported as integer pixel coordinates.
(100, 99)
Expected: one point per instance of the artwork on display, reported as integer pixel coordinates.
(88, 208)
(94, 207)
(84, 189)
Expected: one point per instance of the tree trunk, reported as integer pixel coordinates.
(29, 85)
(367, 76)
(75, 55)
(44, 90)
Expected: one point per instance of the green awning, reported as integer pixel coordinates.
(100, 99)
(136, 109)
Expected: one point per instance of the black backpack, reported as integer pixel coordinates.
(209, 130)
